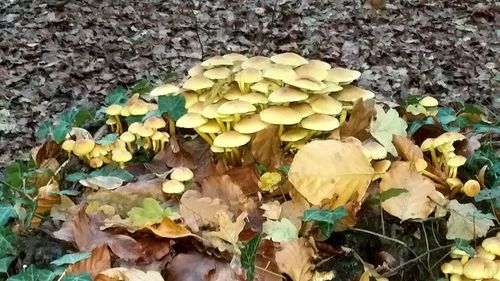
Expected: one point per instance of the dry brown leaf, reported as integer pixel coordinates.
(247, 177)
(295, 259)
(61, 211)
(128, 274)
(198, 211)
(169, 229)
(154, 249)
(412, 204)
(147, 188)
(99, 260)
(266, 147)
(227, 237)
(323, 169)
(167, 157)
(196, 267)
(407, 149)
(293, 210)
(361, 115)
(49, 149)
(272, 210)
(223, 187)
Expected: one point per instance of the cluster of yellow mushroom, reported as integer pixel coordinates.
(179, 179)
(230, 97)
(427, 106)
(484, 265)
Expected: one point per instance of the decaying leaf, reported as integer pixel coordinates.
(272, 210)
(266, 147)
(280, 231)
(465, 222)
(295, 259)
(199, 211)
(412, 204)
(169, 229)
(323, 169)
(229, 191)
(385, 126)
(128, 274)
(99, 260)
(407, 149)
(106, 182)
(206, 268)
(61, 211)
(294, 209)
(361, 115)
(226, 238)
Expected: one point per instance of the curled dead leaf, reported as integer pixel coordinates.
(295, 259)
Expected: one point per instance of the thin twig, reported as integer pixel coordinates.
(195, 19)
(417, 258)
(434, 234)
(427, 247)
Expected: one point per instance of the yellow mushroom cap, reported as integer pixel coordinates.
(211, 127)
(217, 149)
(374, 149)
(217, 73)
(330, 88)
(111, 121)
(235, 57)
(95, 163)
(197, 107)
(134, 127)
(125, 112)
(257, 62)
(427, 144)
(191, 98)
(293, 135)
(279, 72)
(231, 139)
(312, 72)
(191, 120)
(448, 137)
(210, 111)
(181, 174)
(155, 122)
(483, 253)
(68, 145)
(250, 125)
(127, 137)
(216, 61)
(326, 105)
(420, 165)
(320, 63)
(492, 245)
(236, 107)
(145, 131)
(164, 90)
(428, 101)
(254, 98)
(197, 83)
(303, 108)
(446, 268)
(138, 107)
(479, 268)
(114, 109)
(454, 183)
(352, 93)
(249, 75)
(83, 147)
(158, 136)
(120, 155)
(458, 277)
(288, 58)
(458, 267)
(172, 187)
(98, 151)
(456, 161)
(287, 94)
(261, 87)
(342, 75)
(306, 84)
(280, 115)
(320, 122)
(196, 70)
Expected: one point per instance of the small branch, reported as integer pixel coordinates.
(417, 258)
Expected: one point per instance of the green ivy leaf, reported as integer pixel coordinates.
(44, 130)
(34, 274)
(14, 174)
(81, 277)
(112, 171)
(488, 194)
(68, 192)
(83, 116)
(386, 195)
(150, 213)
(60, 130)
(174, 106)
(69, 115)
(71, 258)
(284, 168)
(484, 128)
(138, 118)
(5, 263)
(326, 219)
(462, 244)
(446, 115)
(142, 87)
(108, 139)
(6, 213)
(74, 177)
(249, 254)
(118, 96)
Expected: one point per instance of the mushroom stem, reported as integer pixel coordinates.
(171, 127)
(122, 165)
(453, 172)
(237, 118)
(118, 124)
(221, 124)
(310, 134)
(204, 136)
(237, 155)
(231, 158)
(431, 176)
(343, 116)
(154, 145)
(130, 147)
(212, 136)
(162, 144)
(228, 126)
(434, 157)
(281, 129)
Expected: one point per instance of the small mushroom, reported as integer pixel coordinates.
(181, 174)
(197, 83)
(128, 138)
(236, 108)
(453, 164)
(114, 111)
(164, 90)
(319, 123)
(342, 75)
(83, 147)
(257, 62)
(250, 124)
(352, 93)
(232, 140)
(479, 268)
(218, 73)
(280, 115)
(172, 187)
(121, 156)
(312, 72)
(192, 121)
(289, 58)
(492, 245)
(246, 77)
(286, 95)
(471, 188)
(325, 104)
(217, 61)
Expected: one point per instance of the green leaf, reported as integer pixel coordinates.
(326, 219)
(138, 118)
(5, 263)
(150, 213)
(71, 258)
(74, 177)
(60, 130)
(112, 171)
(472, 108)
(446, 115)
(14, 174)
(280, 231)
(33, 274)
(464, 245)
(142, 87)
(261, 168)
(44, 130)
(484, 128)
(83, 116)
(118, 96)
(69, 115)
(6, 213)
(249, 254)
(385, 126)
(488, 194)
(481, 216)
(80, 277)
(7, 242)
(386, 195)
(108, 139)
(284, 168)
(174, 106)
(68, 192)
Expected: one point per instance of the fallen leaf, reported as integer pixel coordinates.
(99, 260)
(465, 222)
(280, 231)
(169, 229)
(106, 182)
(198, 211)
(359, 121)
(223, 187)
(412, 204)
(407, 149)
(295, 259)
(228, 233)
(386, 125)
(61, 211)
(323, 169)
(272, 210)
(196, 267)
(247, 177)
(168, 158)
(266, 147)
(128, 274)
(294, 209)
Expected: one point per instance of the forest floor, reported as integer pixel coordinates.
(55, 54)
